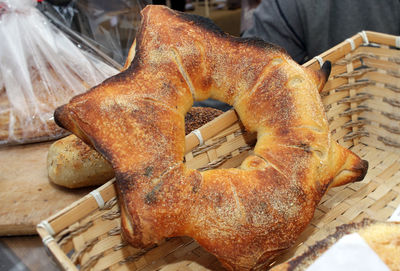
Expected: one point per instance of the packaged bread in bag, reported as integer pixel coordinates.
(40, 69)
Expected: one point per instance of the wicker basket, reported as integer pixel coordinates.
(362, 100)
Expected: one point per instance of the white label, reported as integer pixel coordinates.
(396, 215)
(350, 253)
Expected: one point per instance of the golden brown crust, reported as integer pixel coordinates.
(198, 116)
(244, 216)
(384, 239)
(72, 163)
(131, 55)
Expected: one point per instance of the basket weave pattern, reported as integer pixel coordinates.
(362, 101)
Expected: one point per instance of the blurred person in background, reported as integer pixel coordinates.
(307, 28)
(175, 4)
(246, 15)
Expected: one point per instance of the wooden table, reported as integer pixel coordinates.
(26, 198)
(26, 194)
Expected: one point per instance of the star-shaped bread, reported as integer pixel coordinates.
(246, 215)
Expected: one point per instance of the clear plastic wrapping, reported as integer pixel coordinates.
(110, 26)
(40, 69)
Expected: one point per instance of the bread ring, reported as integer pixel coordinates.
(247, 215)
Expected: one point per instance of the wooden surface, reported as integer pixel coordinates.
(26, 195)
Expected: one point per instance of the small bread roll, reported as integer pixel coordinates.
(72, 163)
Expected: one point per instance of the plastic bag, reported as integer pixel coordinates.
(111, 24)
(40, 69)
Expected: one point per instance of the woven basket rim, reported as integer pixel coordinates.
(364, 37)
(89, 203)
